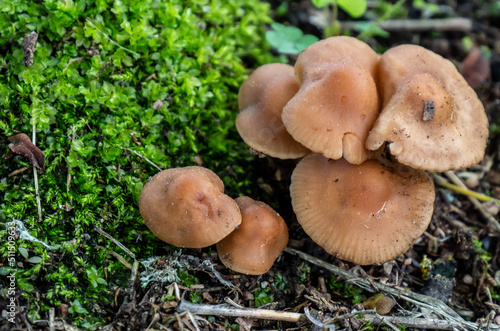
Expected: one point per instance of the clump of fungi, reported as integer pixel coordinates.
(338, 109)
(187, 207)
(350, 105)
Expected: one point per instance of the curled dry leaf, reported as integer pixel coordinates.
(475, 68)
(29, 45)
(22, 145)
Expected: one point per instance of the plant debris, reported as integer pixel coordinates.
(22, 145)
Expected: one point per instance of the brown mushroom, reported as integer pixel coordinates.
(256, 244)
(338, 101)
(187, 207)
(366, 214)
(432, 118)
(261, 100)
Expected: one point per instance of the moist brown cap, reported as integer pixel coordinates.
(259, 240)
(187, 207)
(432, 118)
(366, 214)
(338, 101)
(261, 100)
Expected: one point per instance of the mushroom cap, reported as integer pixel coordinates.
(261, 100)
(432, 118)
(256, 244)
(187, 207)
(338, 100)
(366, 214)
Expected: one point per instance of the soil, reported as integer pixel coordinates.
(455, 261)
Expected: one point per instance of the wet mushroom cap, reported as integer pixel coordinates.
(337, 102)
(259, 240)
(187, 207)
(366, 214)
(432, 118)
(261, 100)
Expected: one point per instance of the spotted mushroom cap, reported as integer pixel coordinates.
(256, 244)
(337, 102)
(261, 100)
(366, 214)
(187, 207)
(432, 119)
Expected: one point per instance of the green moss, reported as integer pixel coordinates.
(99, 68)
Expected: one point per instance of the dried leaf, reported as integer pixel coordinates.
(382, 303)
(22, 145)
(475, 68)
(29, 45)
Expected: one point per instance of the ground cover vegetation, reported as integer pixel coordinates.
(119, 89)
(110, 78)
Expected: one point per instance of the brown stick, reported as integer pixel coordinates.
(220, 310)
(449, 24)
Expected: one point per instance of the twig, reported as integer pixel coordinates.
(419, 323)
(111, 40)
(317, 322)
(144, 158)
(35, 175)
(457, 181)
(68, 177)
(447, 24)
(119, 244)
(425, 302)
(464, 191)
(223, 310)
(18, 171)
(52, 315)
(118, 256)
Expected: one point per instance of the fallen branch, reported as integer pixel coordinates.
(446, 24)
(224, 310)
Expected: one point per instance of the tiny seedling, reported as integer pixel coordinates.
(289, 39)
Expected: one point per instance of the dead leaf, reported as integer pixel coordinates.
(29, 45)
(22, 145)
(475, 68)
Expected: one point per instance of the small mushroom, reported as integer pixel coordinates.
(338, 101)
(261, 100)
(366, 214)
(187, 207)
(432, 119)
(256, 244)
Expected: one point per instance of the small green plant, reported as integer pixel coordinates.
(355, 9)
(478, 249)
(303, 272)
(262, 297)
(353, 292)
(288, 39)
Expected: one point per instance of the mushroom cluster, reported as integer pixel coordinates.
(187, 207)
(345, 104)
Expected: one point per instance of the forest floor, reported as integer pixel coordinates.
(449, 279)
(456, 261)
